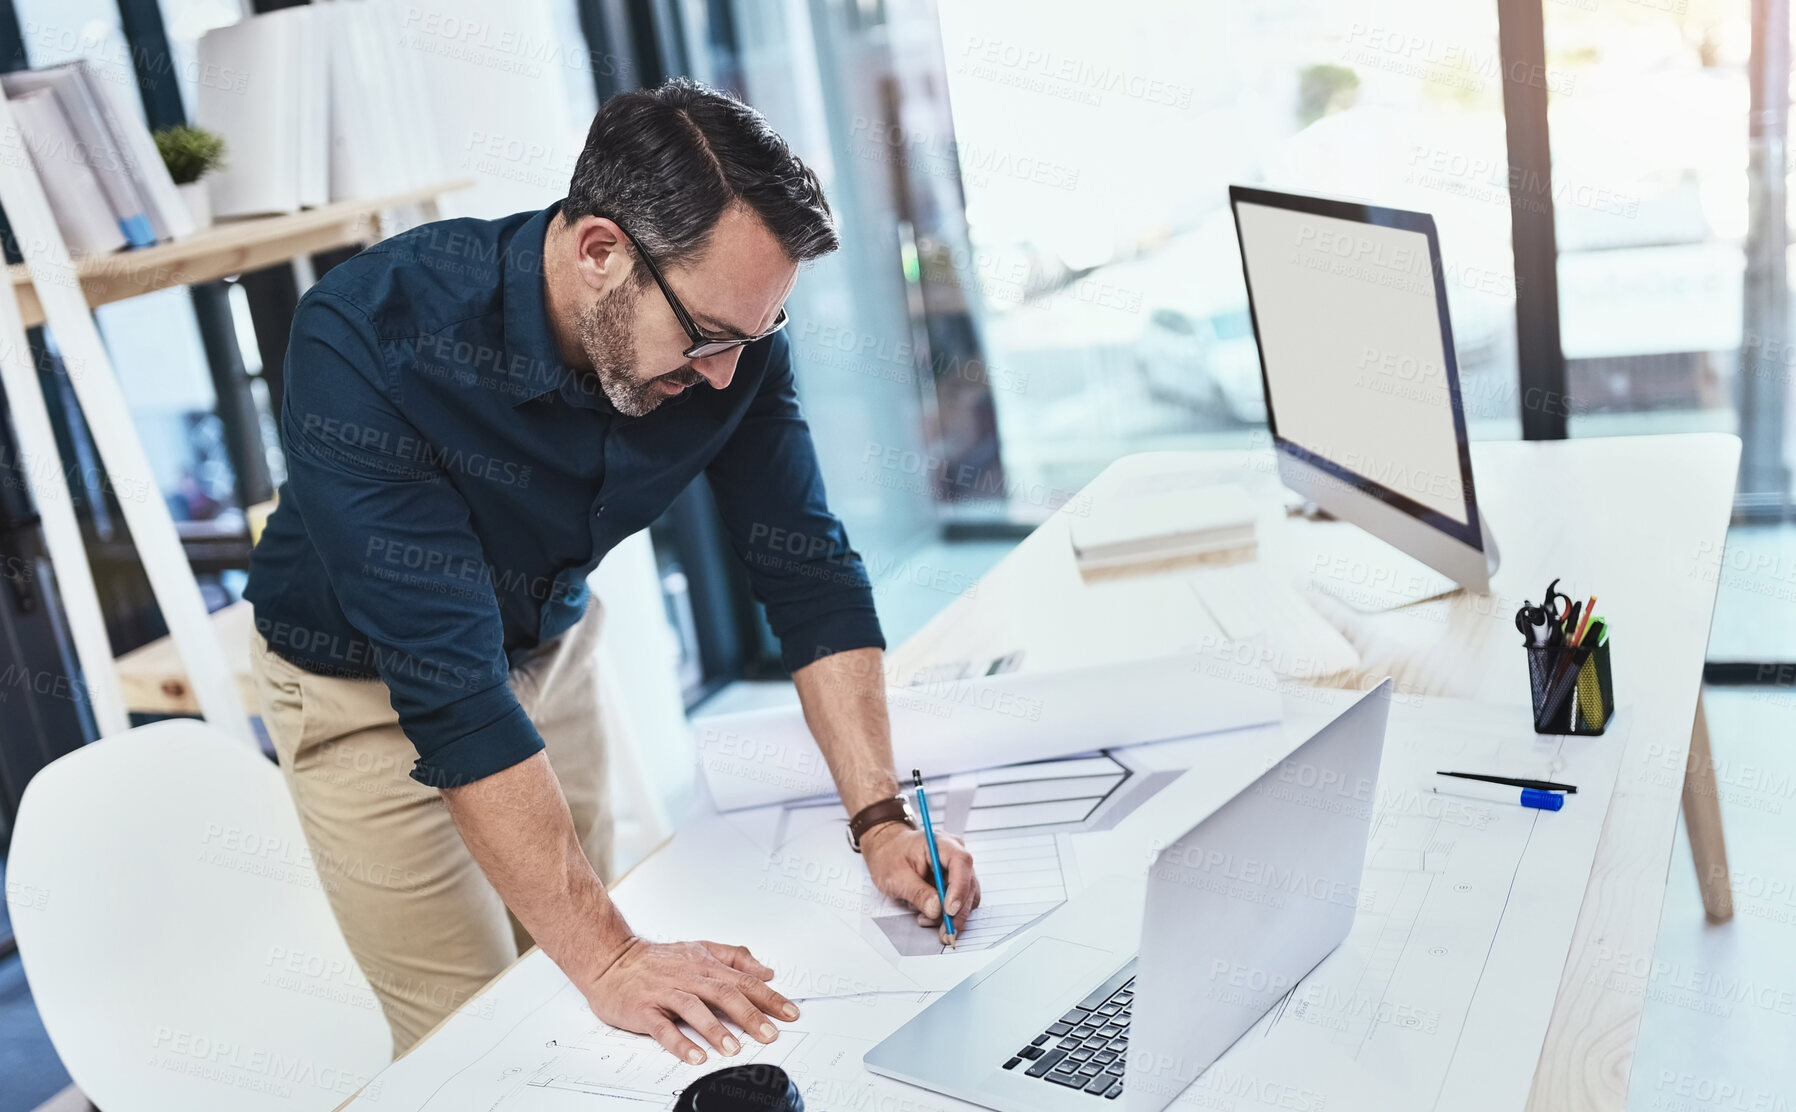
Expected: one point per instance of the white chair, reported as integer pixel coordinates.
(176, 936)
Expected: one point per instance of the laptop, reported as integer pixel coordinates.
(1129, 991)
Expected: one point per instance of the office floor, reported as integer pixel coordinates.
(1721, 1000)
(29, 1072)
(1755, 596)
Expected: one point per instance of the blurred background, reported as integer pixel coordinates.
(1039, 271)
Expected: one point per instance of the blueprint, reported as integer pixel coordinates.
(1438, 999)
(1441, 994)
(1019, 822)
(767, 756)
(540, 1049)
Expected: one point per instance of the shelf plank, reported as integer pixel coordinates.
(230, 247)
(154, 680)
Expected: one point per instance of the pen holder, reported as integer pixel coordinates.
(1571, 688)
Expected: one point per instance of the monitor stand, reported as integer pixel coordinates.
(1372, 576)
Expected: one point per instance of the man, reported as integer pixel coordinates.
(476, 412)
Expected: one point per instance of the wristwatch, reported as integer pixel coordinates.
(895, 809)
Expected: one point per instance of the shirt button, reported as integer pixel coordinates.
(599, 512)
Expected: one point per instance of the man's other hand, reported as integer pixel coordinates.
(898, 859)
(651, 988)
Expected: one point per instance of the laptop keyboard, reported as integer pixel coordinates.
(1084, 1049)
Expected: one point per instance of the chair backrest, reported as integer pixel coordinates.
(177, 937)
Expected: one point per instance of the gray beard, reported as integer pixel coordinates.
(607, 336)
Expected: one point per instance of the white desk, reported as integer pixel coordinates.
(1640, 521)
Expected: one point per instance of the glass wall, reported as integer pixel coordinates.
(1096, 156)
(1669, 217)
(823, 75)
(1648, 124)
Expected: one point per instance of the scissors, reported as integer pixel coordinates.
(1543, 625)
(1556, 603)
(1533, 623)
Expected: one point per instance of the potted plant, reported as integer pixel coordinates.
(190, 153)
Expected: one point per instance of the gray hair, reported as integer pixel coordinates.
(665, 163)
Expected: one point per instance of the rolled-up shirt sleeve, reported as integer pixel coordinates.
(800, 565)
(399, 549)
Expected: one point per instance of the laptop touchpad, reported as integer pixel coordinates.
(1046, 963)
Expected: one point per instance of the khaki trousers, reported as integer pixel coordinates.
(419, 915)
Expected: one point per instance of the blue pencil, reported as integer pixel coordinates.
(935, 858)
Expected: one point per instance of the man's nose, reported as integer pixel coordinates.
(718, 369)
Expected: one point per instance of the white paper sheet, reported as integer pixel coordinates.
(1256, 605)
(762, 757)
(709, 883)
(540, 1049)
(1441, 995)
(1019, 821)
(1439, 998)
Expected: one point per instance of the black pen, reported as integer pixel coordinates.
(1515, 782)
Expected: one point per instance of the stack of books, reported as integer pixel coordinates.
(329, 105)
(106, 183)
(336, 109)
(1163, 528)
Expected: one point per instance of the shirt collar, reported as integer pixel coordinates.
(527, 331)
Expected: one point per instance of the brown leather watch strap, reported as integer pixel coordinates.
(895, 809)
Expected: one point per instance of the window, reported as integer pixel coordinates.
(1096, 156)
(1648, 122)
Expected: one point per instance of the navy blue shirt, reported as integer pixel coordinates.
(451, 483)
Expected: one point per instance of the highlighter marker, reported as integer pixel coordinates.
(1496, 793)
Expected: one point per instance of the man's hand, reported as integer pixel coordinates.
(650, 987)
(516, 825)
(898, 859)
(844, 698)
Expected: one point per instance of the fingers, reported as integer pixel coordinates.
(919, 884)
(766, 999)
(957, 864)
(698, 1016)
(738, 957)
(664, 985)
(920, 894)
(672, 1040)
(734, 1002)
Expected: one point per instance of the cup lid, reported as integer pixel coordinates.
(750, 1088)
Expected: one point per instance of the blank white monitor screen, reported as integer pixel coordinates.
(1350, 338)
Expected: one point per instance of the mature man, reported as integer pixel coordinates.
(476, 412)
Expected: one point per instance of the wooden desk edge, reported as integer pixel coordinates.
(1583, 1066)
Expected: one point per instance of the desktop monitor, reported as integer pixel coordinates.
(1349, 310)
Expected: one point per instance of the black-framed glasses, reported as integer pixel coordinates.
(703, 344)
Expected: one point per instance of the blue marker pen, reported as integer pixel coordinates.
(1497, 793)
(935, 858)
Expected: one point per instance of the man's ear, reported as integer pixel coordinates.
(602, 253)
